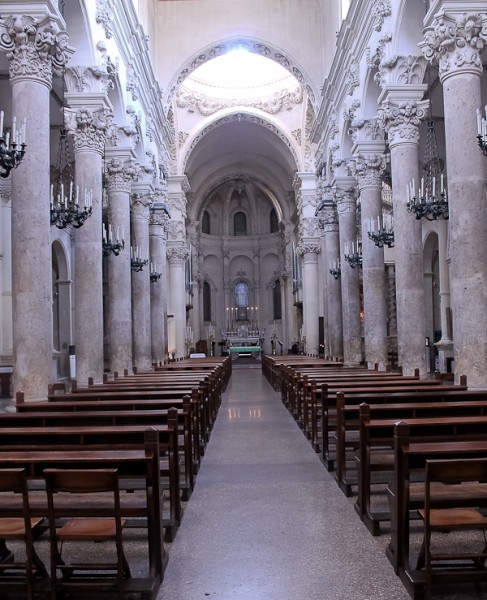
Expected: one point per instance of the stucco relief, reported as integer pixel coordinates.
(381, 10)
(401, 122)
(455, 43)
(104, 16)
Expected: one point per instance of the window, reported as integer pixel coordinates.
(274, 223)
(276, 300)
(206, 302)
(241, 300)
(239, 224)
(205, 223)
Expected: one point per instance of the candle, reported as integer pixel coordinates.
(2, 116)
(479, 122)
(441, 183)
(14, 128)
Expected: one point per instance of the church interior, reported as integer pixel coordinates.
(242, 181)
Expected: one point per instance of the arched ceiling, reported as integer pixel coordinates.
(241, 147)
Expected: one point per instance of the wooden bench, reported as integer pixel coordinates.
(105, 438)
(82, 416)
(373, 395)
(405, 497)
(375, 452)
(135, 465)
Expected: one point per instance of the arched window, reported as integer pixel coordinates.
(239, 223)
(276, 300)
(205, 223)
(274, 223)
(241, 300)
(206, 302)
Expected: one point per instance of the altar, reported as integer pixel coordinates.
(244, 341)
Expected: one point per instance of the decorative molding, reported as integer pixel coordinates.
(352, 79)
(401, 122)
(309, 228)
(34, 52)
(104, 16)
(132, 85)
(178, 254)
(455, 42)
(381, 10)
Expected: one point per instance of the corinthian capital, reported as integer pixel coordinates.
(308, 247)
(456, 42)
(401, 121)
(369, 170)
(178, 254)
(120, 175)
(35, 50)
(345, 199)
(88, 128)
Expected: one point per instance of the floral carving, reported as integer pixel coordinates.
(401, 122)
(381, 9)
(120, 175)
(104, 16)
(89, 128)
(455, 44)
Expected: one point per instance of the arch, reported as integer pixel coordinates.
(251, 45)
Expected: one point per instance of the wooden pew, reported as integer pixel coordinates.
(405, 497)
(104, 438)
(375, 452)
(141, 464)
(372, 395)
(179, 418)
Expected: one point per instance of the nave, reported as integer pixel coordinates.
(266, 521)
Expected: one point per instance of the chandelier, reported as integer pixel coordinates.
(155, 273)
(12, 146)
(384, 235)
(429, 200)
(353, 253)
(67, 208)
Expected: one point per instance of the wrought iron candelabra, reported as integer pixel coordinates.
(155, 274)
(431, 201)
(482, 132)
(137, 263)
(353, 253)
(384, 236)
(112, 244)
(66, 209)
(335, 268)
(12, 146)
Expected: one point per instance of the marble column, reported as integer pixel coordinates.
(141, 311)
(5, 272)
(308, 251)
(177, 254)
(345, 198)
(333, 292)
(456, 39)
(157, 239)
(120, 172)
(87, 126)
(369, 170)
(401, 120)
(35, 49)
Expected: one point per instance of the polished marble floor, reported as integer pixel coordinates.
(266, 520)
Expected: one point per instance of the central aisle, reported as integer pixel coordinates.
(266, 520)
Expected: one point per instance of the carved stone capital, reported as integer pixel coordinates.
(329, 219)
(178, 254)
(158, 224)
(88, 128)
(401, 121)
(308, 247)
(346, 199)
(140, 206)
(120, 175)
(35, 51)
(369, 171)
(456, 42)
(309, 227)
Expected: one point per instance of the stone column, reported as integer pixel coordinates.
(158, 225)
(308, 249)
(5, 272)
(290, 322)
(368, 171)
(401, 120)
(177, 254)
(88, 125)
(333, 291)
(456, 39)
(120, 172)
(345, 197)
(141, 315)
(35, 49)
